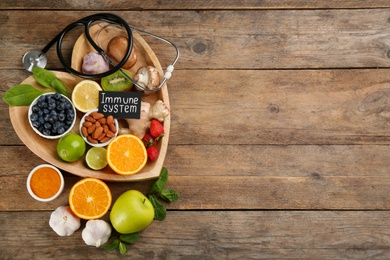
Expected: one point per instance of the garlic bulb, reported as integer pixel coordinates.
(96, 232)
(63, 221)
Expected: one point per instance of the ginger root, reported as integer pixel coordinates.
(139, 127)
(159, 111)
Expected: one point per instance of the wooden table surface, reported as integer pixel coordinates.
(280, 130)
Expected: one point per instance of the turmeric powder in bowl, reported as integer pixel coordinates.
(45, 183)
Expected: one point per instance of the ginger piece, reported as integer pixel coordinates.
(159, 111)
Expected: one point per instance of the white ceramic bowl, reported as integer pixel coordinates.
(86, 140)
(30, 111)
(30, 190)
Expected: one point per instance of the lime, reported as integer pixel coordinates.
(96, 158)
(71, 147)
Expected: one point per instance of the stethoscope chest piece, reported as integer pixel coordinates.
(33, 59)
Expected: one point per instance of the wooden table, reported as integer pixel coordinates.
(279, 142)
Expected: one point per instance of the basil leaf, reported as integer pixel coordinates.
(162, 180)
(59, 87)
(129, 238)
(159, 210)
(122, 248)
(114, 245)
(169, 195)
(21, 95)
(43, 76)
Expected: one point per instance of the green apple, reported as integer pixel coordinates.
(131, 212)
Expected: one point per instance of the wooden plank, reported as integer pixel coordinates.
(355, 38)
(215, 235)
(239, 177)
(198, 5)
(280, 107)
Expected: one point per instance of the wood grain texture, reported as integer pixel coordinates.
(185, 5)
(266, 39)
(216, 235)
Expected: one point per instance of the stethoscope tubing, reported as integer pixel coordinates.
(110, 18)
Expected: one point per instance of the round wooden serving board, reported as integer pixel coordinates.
(46, 149)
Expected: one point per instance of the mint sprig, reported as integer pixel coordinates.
(158, 191)
(121, 242)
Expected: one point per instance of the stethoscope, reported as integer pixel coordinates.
(38, 58)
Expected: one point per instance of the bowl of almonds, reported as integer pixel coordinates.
(98, 129)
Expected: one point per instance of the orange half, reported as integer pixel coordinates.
(90, 198)
(126, 154)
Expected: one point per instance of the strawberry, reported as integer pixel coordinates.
(152, 153)
(148, 140)
(156, 129)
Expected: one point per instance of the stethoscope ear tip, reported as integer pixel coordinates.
(33, 59)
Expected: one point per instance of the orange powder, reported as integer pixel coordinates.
(45, 182)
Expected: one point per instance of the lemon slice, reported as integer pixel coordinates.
(96, 158)
(85, 95)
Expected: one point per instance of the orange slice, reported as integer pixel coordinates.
(85, 95)
(126, 154)
(90, 198)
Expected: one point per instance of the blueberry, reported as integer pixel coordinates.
(41, 120)
(46, 117)
(34, 117)
(70, 117)
(46, 111)
(57, 95)
(36, 124)
(61, 130)
(47, 125)
(53, 119)
(60, 106)
(46, 132)
(35, 109)
(61, 117)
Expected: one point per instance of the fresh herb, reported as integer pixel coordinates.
(59, 86)
(24, 94)
(21, 95)
(159, 210)
(121, 241)
(158, 191)
(43, 76)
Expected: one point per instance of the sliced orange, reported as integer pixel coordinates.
(90, 198)
(126, 154)
(85, 95)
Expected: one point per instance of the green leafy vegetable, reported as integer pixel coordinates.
(113, 246)
(122, 248)
(162, 180)
(43, 76)
(169, 195)
(21, 95)
(129, 238)
(159, 210)
(59, 87)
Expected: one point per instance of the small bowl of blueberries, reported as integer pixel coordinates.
(52, 115)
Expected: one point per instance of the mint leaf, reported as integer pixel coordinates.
(114, 245)
(122, 248)
(169, 195)
(21, 95)
(159, 210)
(129, 238)
(162, 180)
